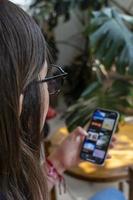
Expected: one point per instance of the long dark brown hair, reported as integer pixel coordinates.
(22, 55)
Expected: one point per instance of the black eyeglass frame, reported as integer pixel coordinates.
(63, 74)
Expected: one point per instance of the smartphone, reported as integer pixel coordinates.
(102, 125)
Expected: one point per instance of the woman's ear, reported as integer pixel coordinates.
(20, 103)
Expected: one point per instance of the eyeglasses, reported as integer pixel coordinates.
(54, 79)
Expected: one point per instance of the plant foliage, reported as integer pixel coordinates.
(112, 41)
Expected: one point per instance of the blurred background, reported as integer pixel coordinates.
(94, 42)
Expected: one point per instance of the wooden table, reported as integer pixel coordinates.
(115, 169)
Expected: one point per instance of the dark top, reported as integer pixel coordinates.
(2, 197)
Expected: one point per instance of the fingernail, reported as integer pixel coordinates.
(78, 139)
(85, 133)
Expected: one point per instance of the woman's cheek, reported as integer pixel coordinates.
(45, 103)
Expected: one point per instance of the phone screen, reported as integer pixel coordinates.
(100, 130)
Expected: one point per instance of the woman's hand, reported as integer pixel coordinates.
(67, 154)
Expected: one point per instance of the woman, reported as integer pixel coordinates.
(24, 100)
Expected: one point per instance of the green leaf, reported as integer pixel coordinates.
(112, 41)
(127, 18)
(90, 89)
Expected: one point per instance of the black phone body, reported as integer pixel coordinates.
(101, 128)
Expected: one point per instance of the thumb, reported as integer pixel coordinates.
(80, 134)
(80, 131)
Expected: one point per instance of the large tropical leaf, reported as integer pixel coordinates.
(127, 18)
(112, 41)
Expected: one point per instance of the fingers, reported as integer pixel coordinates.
(80, 131)
(114, 138)
(78, 138)
(113, 142)
(112, 145)
(108, 156)
(78, 135)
